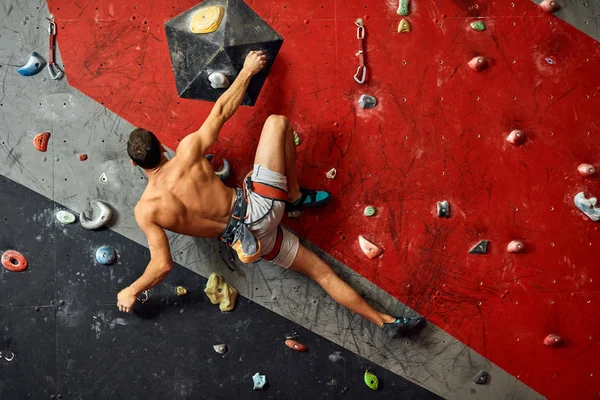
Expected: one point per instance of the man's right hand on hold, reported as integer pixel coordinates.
(255, 61)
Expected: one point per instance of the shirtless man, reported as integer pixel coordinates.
(184, 195)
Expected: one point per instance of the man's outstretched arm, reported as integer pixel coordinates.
(195, 144)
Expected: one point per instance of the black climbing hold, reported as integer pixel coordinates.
(196, 56)
(443, 209)
(480, 248)
(481, 378)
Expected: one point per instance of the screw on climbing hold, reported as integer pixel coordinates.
(480, 248)
(553, 341)
(361, 72)
(587, 206)
(365, 101)
(220, 348)
(478, 26)
(370, 211)
(478, 63)
(224, 172)
(181, 291)
(259, 381)
(297, 139)
(143, 297)
(331, 173)
(219, 80)
(40, 141)
(220, 292)
(34, 65)
(403, 26)
(370, 250)
(53, 70)
(292, 344)
(103, 216)
(516, 137)
(65, 217)
(371, 380)
(586, 170)
(481, 378)
(207, 19)
(549, 60)
(106, 255)
(516, 246)
(14, 261)
(103, 178)
(403, 7)
(549, 6)
(443, 209)
(83, 157)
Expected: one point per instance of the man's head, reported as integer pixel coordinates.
(144, 148)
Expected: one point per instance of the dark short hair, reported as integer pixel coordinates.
(144, 148)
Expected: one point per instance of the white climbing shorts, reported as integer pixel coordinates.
(264, 216)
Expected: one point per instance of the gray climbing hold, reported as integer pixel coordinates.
(65, 217)
(481, 378)
(220, 348)
(34, 65)
(225, 172)
(259, 381)
(103, 217)
(480, 248)
(106, 255)
(365, 101)
(587, 206)
(443, 209)
(218, 80)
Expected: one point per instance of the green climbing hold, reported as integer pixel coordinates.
(297, 139)
(478, 26)
(371, 380)
(369, 211)
(403, 8)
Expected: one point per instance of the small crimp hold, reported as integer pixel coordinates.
(103, 178)
(587, 206)
(370, 211)
(443, 209)
(106, 255)
(478, 26)
(370, 250)
(516, 246)
(181, 291)
(480, 248)
(65, 217)
(553, 340)
(207, 19)
(220, 348)
(14, 261)
(259, 381)
(297, 139)
(478, 63)
(549, 6)
(292, 344)
(331, 173)
(481, 378)
(219, 80)
(403, 26)
(83, 157)
(516, 137)
(40, 141)
(404, 7)
(371, 380)
(34, 65)
(220, 292)
(586, 170)
(103, 217)
(365, 101)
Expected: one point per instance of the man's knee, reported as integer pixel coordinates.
(277, 122)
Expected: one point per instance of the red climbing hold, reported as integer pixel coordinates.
(370, 250)
(82, 157)
(553, 340)
(586, 170)
(40, 141)
(478, 63)
(292, 344)
(14, 261)
(516, 137)
(549, 6)
(516, 246)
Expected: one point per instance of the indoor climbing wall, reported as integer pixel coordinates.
(438, 132)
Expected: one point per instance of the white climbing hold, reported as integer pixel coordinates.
(65, 217)
(370, 250)
(586, 170)
(103, 178)
(587, 206)
(331, 173)
(516, 246)
(103, 217)
(549, 6)
(516, 137)
(218, 80)
(478, 63)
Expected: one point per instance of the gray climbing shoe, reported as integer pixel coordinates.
(403, 326)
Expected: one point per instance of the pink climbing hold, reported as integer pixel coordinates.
(549, 6)
(586, 170)
(516, 137)
(553, 340)
(370, 250)
(516, 246)
(478, 63)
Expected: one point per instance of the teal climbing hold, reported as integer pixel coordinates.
(478, 26)
(403, 7)
(371, 381)
(370, 211)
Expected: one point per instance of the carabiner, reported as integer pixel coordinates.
(364, 74)
(360, 31)
(54, 71)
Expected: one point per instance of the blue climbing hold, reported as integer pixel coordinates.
(35, 64)
(106, 255)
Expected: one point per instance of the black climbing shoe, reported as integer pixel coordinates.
(308, 198)
(403, 326)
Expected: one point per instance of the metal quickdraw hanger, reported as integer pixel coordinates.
(361, 72)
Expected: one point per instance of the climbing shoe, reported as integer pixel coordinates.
(308, 198)
(403, 326)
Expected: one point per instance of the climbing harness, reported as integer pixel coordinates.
(53, 69)
(361, 72)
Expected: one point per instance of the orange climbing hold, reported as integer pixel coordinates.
(82, 157)
(40, 141)
(516, 246)
(14, 261)
(478, 63)
(549, 6)
(553, 340)
(370, 250)
(292, 344)
(586, 170)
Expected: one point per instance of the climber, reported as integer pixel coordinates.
(184, 195)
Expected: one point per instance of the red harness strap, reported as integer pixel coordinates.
(275, 252)
(269, 191)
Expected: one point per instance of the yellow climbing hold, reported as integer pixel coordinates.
(207, 20)
(220, 292)
(181, 291)
(403, 26)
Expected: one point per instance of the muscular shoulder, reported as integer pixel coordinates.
(144, 213)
